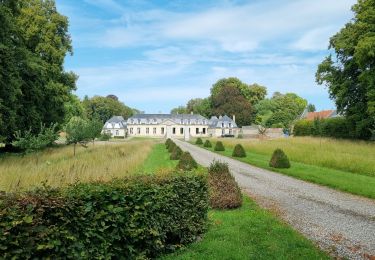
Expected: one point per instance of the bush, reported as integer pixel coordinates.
(105, 137)
(139, 217)
(279, 159)
(224, 190)
(167, 143)
(331, 127)
(207, 144)
(199, 141)
(239, 151)
(187, 162)
(219, 146)
(176, 153)
(171, 146)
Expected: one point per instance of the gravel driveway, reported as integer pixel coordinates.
(340, 223)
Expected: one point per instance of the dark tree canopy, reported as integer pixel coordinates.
(350, 75)
(200, 106)
(230, 101)
(34, 86)
(179, 110)
(311, 108)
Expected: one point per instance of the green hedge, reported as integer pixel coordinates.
(330, 127)
(133, 218)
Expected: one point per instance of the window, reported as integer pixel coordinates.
(181, 131)
(138, 130)
(230, 131)
(147, 130)
(162, 130)
(197, 130)
(174, 130)
(204, 130)
(131, 130)
(230, 124)
(222, 124)
(117, 132)
(222, 131)
(189, 130)
(154, 130)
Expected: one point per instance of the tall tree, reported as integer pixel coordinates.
(104, 108)
(311, 108)
(179, 110)
(257, 93)
(350, 75)
(230, 101)
(201, 106)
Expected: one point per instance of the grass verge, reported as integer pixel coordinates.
(158, 159)
(249, 233)
(341, 180)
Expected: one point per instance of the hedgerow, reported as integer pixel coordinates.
(133, 218)
(176, 153)
(330, 127)
(168, 142)
(187, 162)
(224, 190)
(171, 146)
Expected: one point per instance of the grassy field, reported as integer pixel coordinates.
(57, 166)
(249, 233)
(158, 159)
(297, 148)
(350, 156)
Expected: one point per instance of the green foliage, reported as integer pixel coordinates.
(199, 141)
(103, 108)
(179, 110)
(135, 218)
(176, 153)
(207, 144)
(331, 127)
(239, 151)
(201, 106)
(171, 146)
(168, 142)
(187, 162)
(224, 190)
(94, 128)
(350, 76)
(73, 107)
(34, 86)
(257, 93)
(279, 159)
(219, 146)
(105, 137)
(29, 142)
(311, 108)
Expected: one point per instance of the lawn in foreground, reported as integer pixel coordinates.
(249, 233)
(341, 180)
(58, 167)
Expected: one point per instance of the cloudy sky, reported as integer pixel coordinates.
(156, 55)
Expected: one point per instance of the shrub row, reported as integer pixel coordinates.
(186, 161)
(330, 127)
(138, 217)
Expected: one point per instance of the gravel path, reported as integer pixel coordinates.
(340, 223)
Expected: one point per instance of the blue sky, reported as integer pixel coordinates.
(156, 55)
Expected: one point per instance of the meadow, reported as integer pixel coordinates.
(315, 160)
(58, 167)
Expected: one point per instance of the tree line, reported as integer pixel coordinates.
(248, 103)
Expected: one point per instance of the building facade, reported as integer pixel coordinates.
(115, 126)
(176, 126)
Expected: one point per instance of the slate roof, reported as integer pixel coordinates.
(115, 120)
(158, 118)
(218, 122)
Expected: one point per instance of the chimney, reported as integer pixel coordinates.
(234, 118)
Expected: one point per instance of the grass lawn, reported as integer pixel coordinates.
(359, 184)
(57, 166)
(158, 159)
(249, 233)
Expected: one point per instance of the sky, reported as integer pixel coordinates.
(156, 55)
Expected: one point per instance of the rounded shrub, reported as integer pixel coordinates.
(223, 188)
(171, 146)
(219, 146)
(199, 141)
(187, 162)
(176, 153)
(207, 143)
(239, 151)
(168, 142)
(279, 159)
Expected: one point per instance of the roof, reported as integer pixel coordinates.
(218, 122)
(321, 114)
(158, 118)
(110, 123)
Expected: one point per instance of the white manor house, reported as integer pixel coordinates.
(171, 126)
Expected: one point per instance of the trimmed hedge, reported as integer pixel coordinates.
(207, 144)
(239, 151)
(331, 127)
(219, 146)
(187, 162)
(224, 190)
(176, 153)
(168, 142)
(171, 146)
(138, 217)
(279, 159)
(199, 141)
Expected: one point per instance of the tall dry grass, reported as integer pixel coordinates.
(58, 167)
(352, 156)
